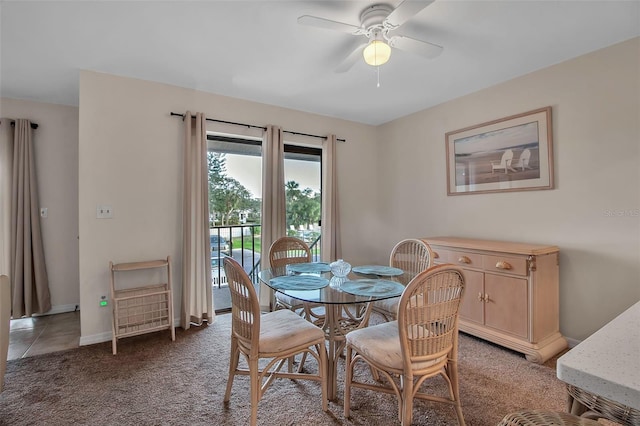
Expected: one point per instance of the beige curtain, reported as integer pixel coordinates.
(331, 244)
(5, 315)
(273, 201)
(197, 297)
(6, 158)
(26, 264)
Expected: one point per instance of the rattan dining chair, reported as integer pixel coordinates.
(412, 256)
(286, 251)
(422, 343)
(592, 406)
(276, 336)
(544, 418)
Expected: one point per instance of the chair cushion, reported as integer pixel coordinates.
(282, 330)
(388, 305)
(288, 300)
(381, 345)
(391, 305)
(292, 303)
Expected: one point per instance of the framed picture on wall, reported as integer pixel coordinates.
(509, 154)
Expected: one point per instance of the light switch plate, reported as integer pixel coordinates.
(43, 212)
(104, 212)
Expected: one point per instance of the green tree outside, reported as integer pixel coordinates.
(303, 206)
(227, 196)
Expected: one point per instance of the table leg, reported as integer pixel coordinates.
(332, 313)
(336, 326)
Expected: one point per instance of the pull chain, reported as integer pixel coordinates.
(378, 71)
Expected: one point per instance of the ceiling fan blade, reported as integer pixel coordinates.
(350, 60)
(415, 46)
(405, 10)
(328, 24)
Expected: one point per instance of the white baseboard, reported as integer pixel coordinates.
(572, 342)
(59, 309)
(95, 338)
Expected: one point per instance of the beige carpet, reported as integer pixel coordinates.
(153, 381)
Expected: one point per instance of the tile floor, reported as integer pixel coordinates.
(53, 333)
(44, 334)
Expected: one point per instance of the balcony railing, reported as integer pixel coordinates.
(244, 244)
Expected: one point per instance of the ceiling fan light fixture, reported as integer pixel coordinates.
(376, 53)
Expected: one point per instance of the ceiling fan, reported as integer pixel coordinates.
(376, 22)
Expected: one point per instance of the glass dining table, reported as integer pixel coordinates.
(337, 305)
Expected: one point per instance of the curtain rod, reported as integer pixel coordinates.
(225, 122)
(33, 125)
(259, 127)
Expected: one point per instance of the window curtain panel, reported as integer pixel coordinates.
(197, 294)
(5, 316)
(331, 247)
(26, 263)
(6, 158)
(273, 201)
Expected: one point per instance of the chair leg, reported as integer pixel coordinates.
(407, 401)
(347, 382)
(291, 361)
(374, 374)
(233, 365)
(323, 372)
(461, 421)
(255, 390)
(452, 369)
(302, 360)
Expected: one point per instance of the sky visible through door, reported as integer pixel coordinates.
(248, 171)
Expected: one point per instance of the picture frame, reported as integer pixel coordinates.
(514, 153)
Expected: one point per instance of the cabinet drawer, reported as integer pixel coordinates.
(505, 264)
(440, 255)
(460, 258)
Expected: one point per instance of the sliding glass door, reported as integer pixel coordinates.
(235, 201)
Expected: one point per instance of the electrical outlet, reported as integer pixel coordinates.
(104, 212)
(43, 212)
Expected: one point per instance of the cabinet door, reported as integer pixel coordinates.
(472, 307)
(506, 304)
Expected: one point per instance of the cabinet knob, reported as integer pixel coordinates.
(486, 298)
(480, 297)
(503, 265)
(464, 259)
(436, 255)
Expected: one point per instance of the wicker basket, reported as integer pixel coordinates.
(544, 418)
(599, 407)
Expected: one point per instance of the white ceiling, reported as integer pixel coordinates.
(256, 50)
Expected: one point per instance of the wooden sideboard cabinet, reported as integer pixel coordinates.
(511, 295)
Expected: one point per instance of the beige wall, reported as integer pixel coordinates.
(392, 180)
(596, 115)
(56, 152)
(131, 158)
